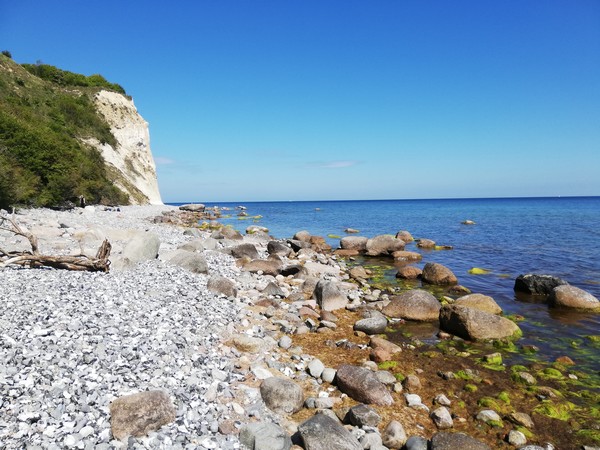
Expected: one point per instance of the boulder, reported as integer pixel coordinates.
(361, 415)
(282, 395)
(425, 243)
(298, 245)
(358, 273)
(329, 297)
(567, 296)
(534, 284)
(473, 324)
(409, 272)
(362, 385)
(139, 414)
(394, 435)
(303, 236)
(442, 418)
(481, 302)
(452, 441)
(278, 248)
(221, 285)
(375, 324)
(267, 267)
(384, 244)
(358, 243)
(245, 343)
(193, 262)
(438, 274)
(264, 436)
(377, 342)
(405, 236)
(415, 304)
(142, 247)
(319, 244)
(197, 245)
(193, 207)
(273, 289)
(321, 432)
(406, 256)
(227, 233)
(247, 249)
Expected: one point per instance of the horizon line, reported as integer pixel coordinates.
(386, 199)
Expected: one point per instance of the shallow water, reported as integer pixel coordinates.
(557, 236)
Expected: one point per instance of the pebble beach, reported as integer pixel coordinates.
(205, 316)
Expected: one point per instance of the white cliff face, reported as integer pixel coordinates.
(131, 163)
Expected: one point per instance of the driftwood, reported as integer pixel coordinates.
(34, 259)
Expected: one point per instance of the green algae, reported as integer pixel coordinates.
(588, 434)
(506, 345)
(504, 396)
(333, 236)
(400, 377)
(470, 388)
(526, 431)
(462, 375)
(387, 365)
(559, 411)
(550, 373)
(495, 423)
(479, 271)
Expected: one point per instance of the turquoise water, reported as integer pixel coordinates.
(558, 236)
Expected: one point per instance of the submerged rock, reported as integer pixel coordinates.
(384, 244)
(481, 302)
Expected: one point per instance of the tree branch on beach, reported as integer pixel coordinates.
(34, 259)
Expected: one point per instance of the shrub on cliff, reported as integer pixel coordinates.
(42, 157)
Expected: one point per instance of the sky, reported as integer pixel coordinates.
(342, 99)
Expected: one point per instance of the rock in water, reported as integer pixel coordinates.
(362, 385)
(567, 296)
(434, 273)
(415, 304)
(472, 324)
(358, 243)
(138, 414)
(193, 207)
(321, 432)
(281, 395)
(534, 284)
(481, 302)
(384, 244)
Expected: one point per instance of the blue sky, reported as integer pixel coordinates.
(289, 100)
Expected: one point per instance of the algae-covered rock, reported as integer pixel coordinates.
(438, 274)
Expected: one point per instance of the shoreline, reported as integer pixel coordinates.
(266, 304)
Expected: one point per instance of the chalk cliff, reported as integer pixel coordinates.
(130, 163)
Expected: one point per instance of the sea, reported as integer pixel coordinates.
(559, 236)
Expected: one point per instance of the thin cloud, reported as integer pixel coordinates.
(162, 161)
(334, 164)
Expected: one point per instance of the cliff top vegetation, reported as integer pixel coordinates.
(45, 113)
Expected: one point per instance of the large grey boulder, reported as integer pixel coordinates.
(139, 414)
(362, 415)
(453, 441)
(142, 247)
(384, 244)
(358, 243)
(321, 432)
(438, 274)
(278, 248)
(247, 249)
(473, 324)
(264, 436)
(193, 262)
(266, 266)
(221, 285)
(329, 297)
(481, 302)
(193, 207)
(567, 296)
(282, 395)
(535, 284)
(415, 304)
(362, 385)
(375, 324)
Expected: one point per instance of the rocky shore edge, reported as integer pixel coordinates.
(201, 337)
